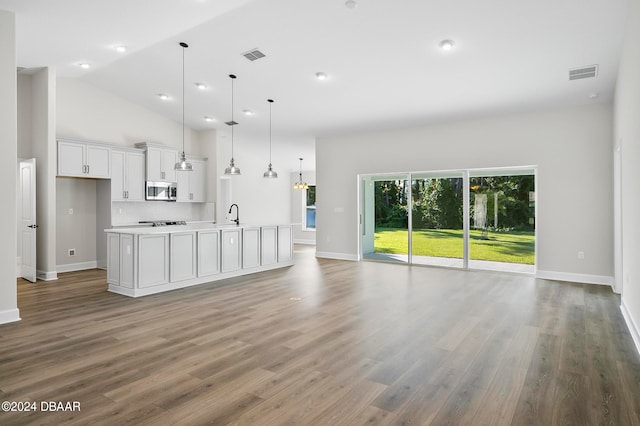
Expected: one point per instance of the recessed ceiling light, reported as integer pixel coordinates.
(85, 65)
(247, 112)
(321, 76)
(209, 119)
(163, 96)
(351, 4)
(447, 45)
(121, 48)
(201, 86)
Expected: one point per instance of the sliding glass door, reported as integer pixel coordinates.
(437, 232)
(479, 219)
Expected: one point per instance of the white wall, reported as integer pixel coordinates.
(627, 137)
(76, 230)
(24, 116)
(261, 201)
(571, 147)
(9, 136)
(297, 200)
(87, 112)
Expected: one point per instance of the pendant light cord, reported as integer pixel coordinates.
(232, 121)
(270, 103)
(183, 48)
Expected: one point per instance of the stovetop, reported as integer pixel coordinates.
(164, 222)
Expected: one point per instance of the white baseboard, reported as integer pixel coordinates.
(77, 266)
(10, 315)
(307, 242)
(337, 256)
(631, 325)
(576, 278)
(47, 276)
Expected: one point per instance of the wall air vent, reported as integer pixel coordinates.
(253, 54)
(583, 72)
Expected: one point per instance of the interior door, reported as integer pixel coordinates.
(27, 219)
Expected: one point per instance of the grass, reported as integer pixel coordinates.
(509, 247)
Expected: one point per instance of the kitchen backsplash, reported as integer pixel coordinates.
(130, 213)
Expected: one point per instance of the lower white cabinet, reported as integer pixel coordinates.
(143, 261)
(250, 247)
(153, 259)
(285, 243)
(183, 256)
(208, 253)
(269, 252)
(231, 249)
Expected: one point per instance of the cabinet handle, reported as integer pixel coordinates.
(163, 175)
(191, 196)
(87, 169)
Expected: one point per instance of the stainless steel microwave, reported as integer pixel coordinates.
(161, 191)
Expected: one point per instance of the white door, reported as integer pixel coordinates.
(27, 219)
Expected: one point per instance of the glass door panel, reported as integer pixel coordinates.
(387, 205)
(437, 236)
(502, 216)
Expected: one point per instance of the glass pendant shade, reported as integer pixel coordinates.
(270, 173)
(232, 169)
(182, 165)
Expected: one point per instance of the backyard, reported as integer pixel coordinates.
(496, 246)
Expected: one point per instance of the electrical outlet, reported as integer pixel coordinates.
(581, 255)
(72, 252)
(70, 211)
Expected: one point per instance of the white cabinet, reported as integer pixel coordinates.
(231, 249)
(285, 243)
(250, 247)
(120, 260)
(127, 175)
(153, 259)
(269, 237)
(161, 163)
(208, 252)
(83, 159)
(183, 256)
(192, 185)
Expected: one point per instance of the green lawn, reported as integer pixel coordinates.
(510, 247)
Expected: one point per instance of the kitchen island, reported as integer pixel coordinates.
(148, 260)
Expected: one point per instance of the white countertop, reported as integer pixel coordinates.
(169, 229)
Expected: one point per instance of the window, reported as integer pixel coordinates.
(309, 208)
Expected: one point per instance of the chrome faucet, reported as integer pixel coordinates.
(237, 219)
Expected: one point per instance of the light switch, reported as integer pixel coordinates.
(70, 211)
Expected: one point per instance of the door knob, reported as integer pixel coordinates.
(33, 226)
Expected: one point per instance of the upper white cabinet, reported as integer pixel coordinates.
(84, 159)
(127, 175)
(192, 186)
(160, 162)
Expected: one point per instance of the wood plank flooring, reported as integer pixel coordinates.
(366, 343)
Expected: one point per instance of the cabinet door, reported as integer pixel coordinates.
(198, 182)
(113, 259)
(169, 158)
(71, 159)
(154, 165)
(269, 253)
(183, 256)
(231, 250)
(126, 260)
(98, 161)
(153, 260)
(117, 176)
(285, 243)
(250, 247)
(134, 176)
(208, 253)
(183, 180)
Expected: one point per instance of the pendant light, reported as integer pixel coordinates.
(182, 164)
(232, 169)
(301, 184)
(270, 173)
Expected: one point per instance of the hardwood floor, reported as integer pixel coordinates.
(324, 342)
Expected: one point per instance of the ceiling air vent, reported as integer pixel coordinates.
(253, 54)
(583, 72)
